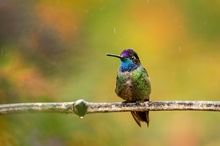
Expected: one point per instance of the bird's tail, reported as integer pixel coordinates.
(141, 117)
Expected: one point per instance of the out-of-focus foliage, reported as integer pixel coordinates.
(55, 51)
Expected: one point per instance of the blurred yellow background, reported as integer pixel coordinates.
(55, 51)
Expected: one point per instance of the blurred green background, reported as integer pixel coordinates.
(55, 50)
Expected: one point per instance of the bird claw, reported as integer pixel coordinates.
(124, 102)
(136, 102)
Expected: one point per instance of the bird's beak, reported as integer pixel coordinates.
(114, 55)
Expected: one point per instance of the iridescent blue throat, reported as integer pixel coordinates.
(127, 65)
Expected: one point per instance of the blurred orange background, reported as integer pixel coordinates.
(54, 51)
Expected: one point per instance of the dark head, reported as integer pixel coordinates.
(129, 60)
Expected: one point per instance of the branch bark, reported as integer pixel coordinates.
(81, 107)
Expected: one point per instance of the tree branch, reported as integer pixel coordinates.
(81, 107)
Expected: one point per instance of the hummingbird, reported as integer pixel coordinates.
(133, 83)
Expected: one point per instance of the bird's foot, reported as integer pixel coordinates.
(125, 102)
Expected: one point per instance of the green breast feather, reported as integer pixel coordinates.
(133, 86)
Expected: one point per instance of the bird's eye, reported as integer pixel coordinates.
(133, 57)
